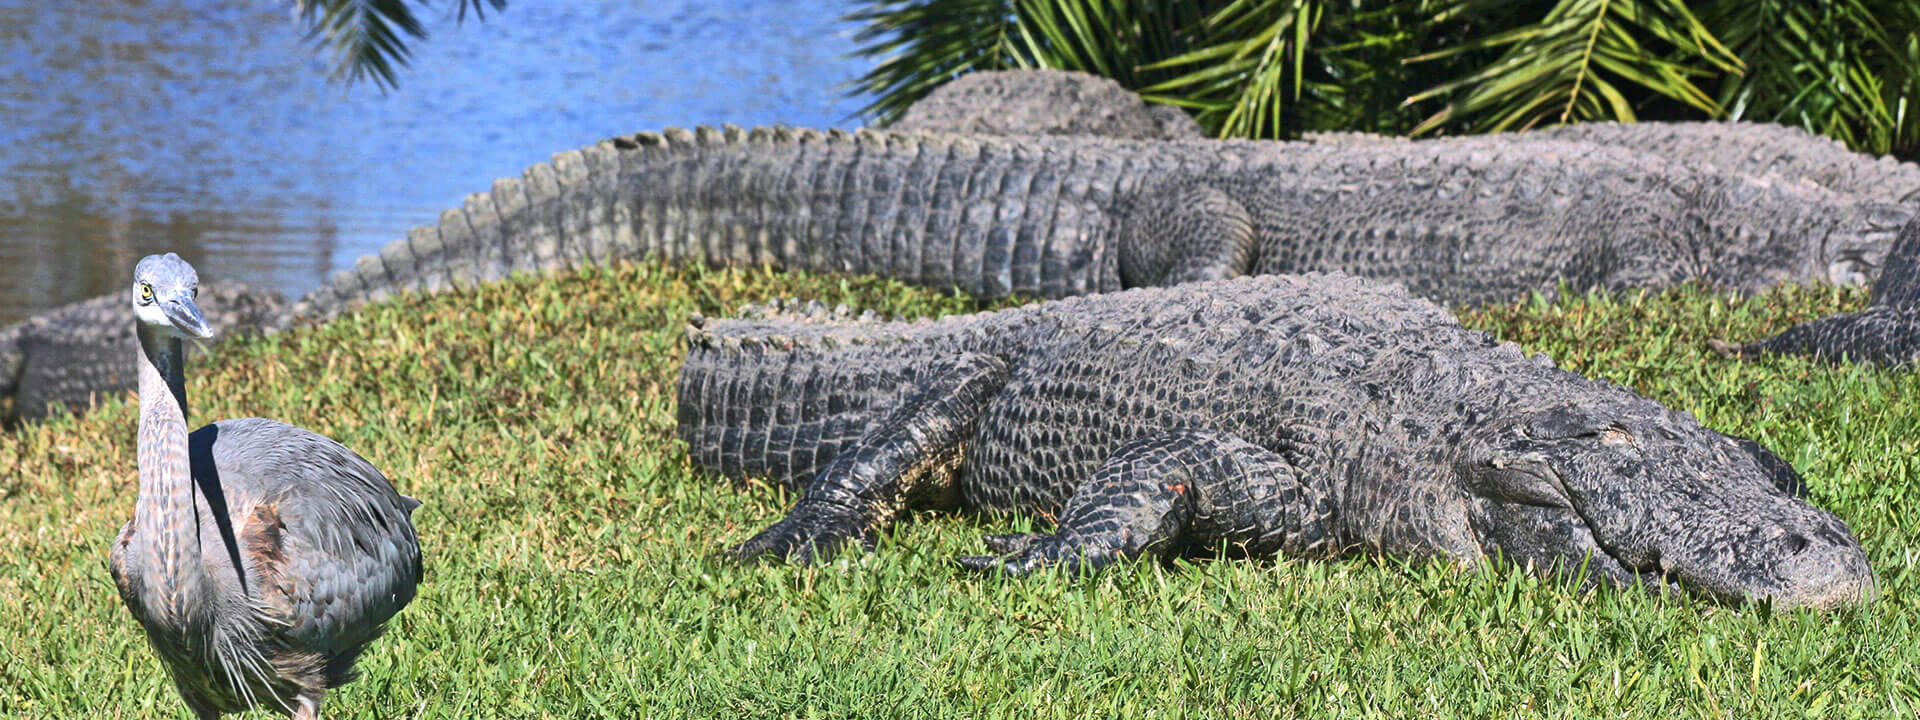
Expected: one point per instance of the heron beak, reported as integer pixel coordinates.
(186, 318)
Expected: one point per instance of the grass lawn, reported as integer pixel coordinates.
(570, 568)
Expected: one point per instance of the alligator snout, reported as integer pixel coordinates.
(1826, 571)
(1814, 563)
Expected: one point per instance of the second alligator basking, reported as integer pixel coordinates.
(1306, 415)
(1465, 220)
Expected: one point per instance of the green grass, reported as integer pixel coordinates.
(570, 568)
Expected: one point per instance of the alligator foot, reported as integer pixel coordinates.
(1195, 235)
(1880, 334)
(812, 531)
(910, 452)
(1162, 493)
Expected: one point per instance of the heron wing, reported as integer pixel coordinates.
(329, 543)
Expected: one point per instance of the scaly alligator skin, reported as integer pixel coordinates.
(1305, 415)
(1757, 149)
(1045, 102)
(1470, 221)
(1886, 333)
(74, 353)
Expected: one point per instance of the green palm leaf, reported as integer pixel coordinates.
(368, 37)
(1572, 64)
(1274, 68)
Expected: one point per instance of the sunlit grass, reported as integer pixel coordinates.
(570, 568)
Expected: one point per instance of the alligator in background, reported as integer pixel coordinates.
(1306, 415)
(1467, 220)
(75, 353)
(1044, 102)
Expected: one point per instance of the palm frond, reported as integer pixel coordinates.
(922, 43)
(1272, 68)
(1580, 62)
(1836, 68)
(367, 38)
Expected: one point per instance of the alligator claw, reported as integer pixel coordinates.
(1006, 564)
(796, 539)
(979, 563)
(1011, 543)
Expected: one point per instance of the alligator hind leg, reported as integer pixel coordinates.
(909, 453)
(1165, 492)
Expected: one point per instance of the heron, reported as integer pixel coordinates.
(262, 558)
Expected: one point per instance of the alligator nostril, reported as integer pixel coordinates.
(1797, 543)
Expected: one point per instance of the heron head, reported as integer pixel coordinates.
(164, 292)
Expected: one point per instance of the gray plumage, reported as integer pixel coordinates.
(1294, 414)
(262, 558)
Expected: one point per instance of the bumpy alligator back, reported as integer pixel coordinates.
(1758, 149)
(989, 216)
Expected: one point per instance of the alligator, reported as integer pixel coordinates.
(76, 353)
(1044, 102)
(1306, 415)
(1470, 221)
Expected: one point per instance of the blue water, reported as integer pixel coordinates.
(135, 126)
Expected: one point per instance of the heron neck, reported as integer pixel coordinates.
(166, 521)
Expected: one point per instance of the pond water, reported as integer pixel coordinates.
(136, 126)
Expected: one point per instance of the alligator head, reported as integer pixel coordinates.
(1634, 492)
(1854, 256)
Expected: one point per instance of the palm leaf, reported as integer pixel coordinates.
(1576, 64)
(366, 36)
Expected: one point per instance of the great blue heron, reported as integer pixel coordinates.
(262, 558)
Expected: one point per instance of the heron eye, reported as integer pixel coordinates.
(196, 293)
(146, 291)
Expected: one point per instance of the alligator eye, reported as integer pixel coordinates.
(1618, 438)
(146, 292)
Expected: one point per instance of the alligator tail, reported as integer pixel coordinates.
(988, 216)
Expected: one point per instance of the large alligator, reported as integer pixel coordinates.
(1306, 415)
(75, 353)
(1470, 220)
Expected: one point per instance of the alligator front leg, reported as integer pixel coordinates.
(1165, 492)
(909, 453)
(1193, 235)
(1887, 332)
